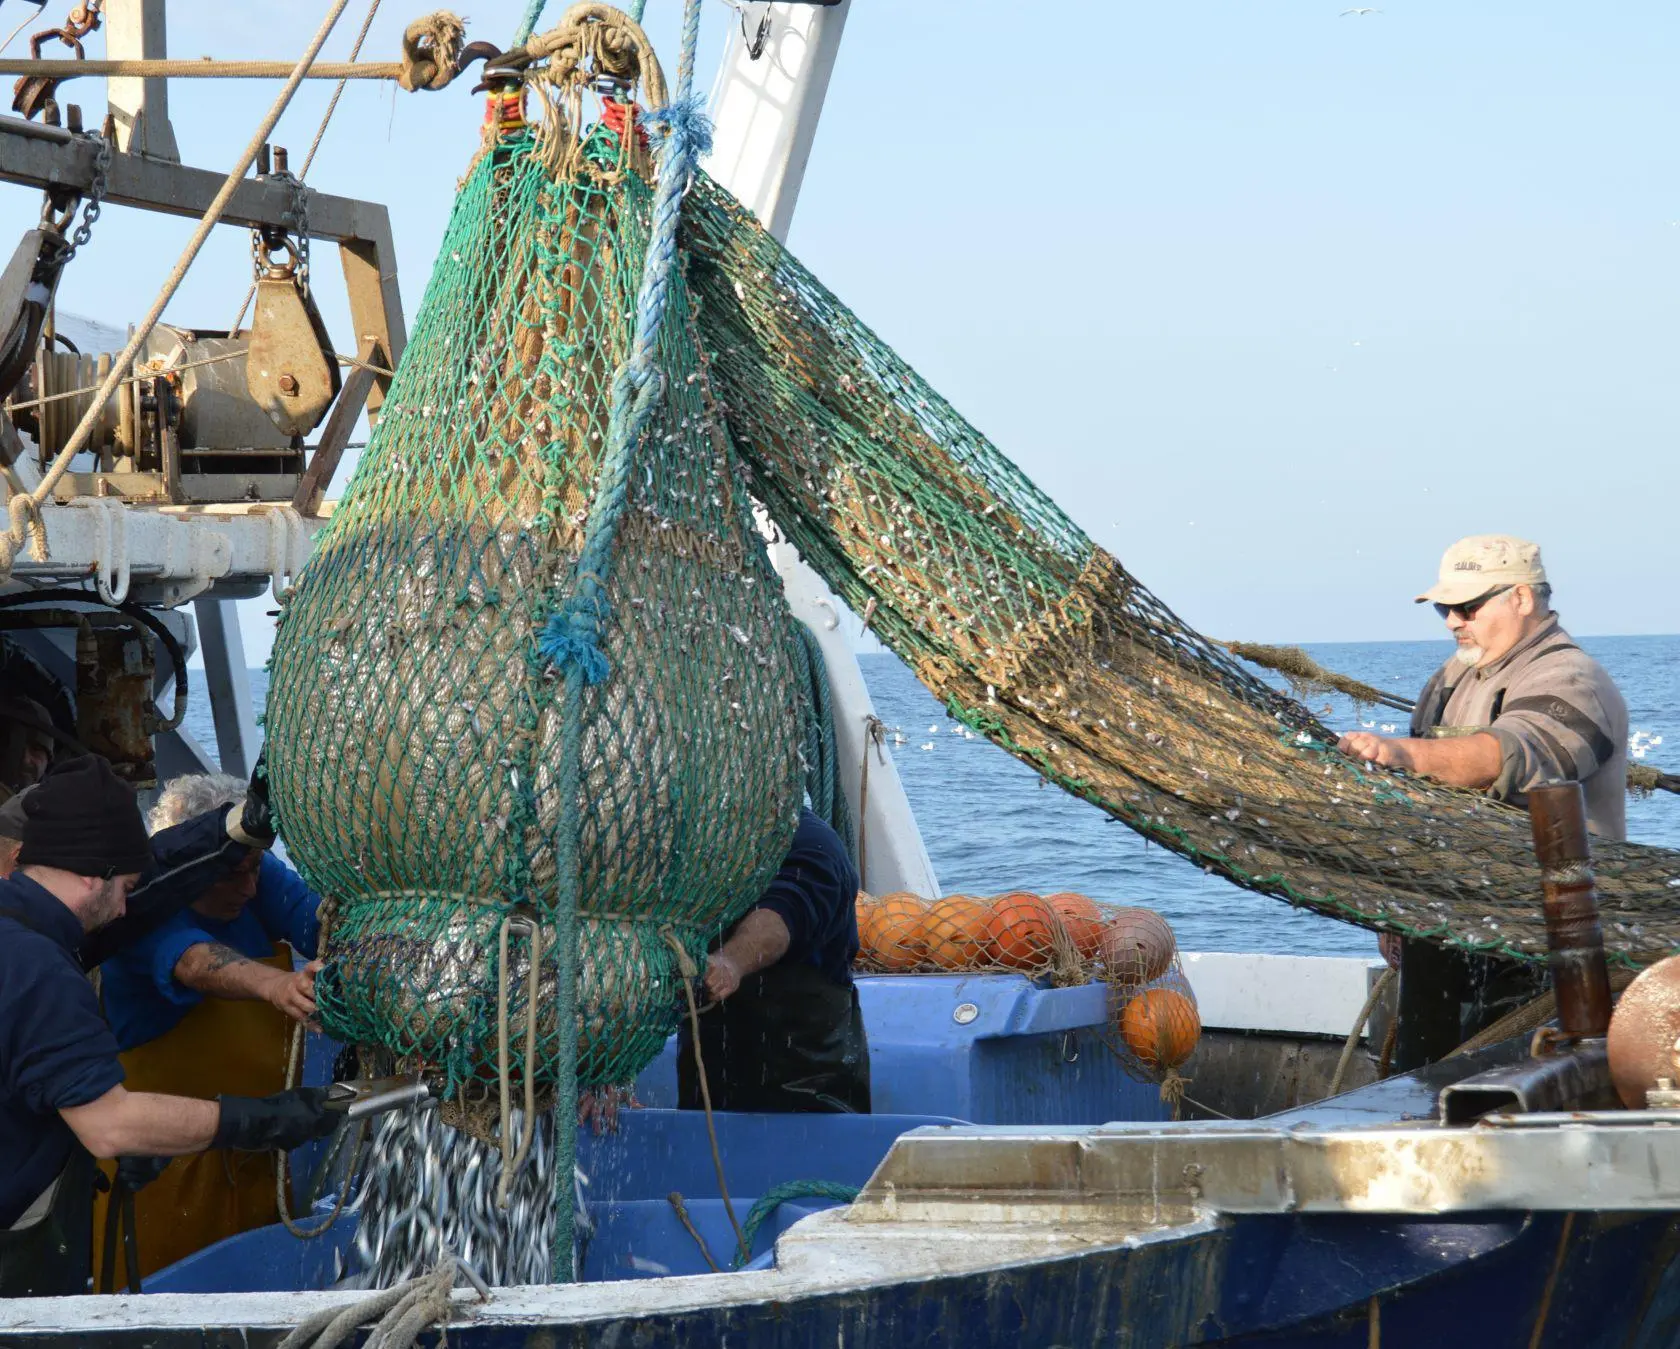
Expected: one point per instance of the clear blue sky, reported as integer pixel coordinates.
(1276, 303)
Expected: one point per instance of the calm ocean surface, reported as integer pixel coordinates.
(991, 825)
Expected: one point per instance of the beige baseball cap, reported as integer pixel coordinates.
(1483, 562)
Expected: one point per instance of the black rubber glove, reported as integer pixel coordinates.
(284, 1120)
(252, 821)
(136, 1173)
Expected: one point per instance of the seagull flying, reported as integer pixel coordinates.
(1366, 10)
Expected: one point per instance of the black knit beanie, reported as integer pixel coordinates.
(83, 818)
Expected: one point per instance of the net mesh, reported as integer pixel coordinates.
(1036, 637)
(414, 723)
(1063, 939)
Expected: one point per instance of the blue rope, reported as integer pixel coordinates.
(572, 636)
(533, 12)
(778, 1195)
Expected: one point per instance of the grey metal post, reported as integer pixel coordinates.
(229, 685)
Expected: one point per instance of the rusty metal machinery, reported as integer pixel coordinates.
(184, 429)
(115, 712)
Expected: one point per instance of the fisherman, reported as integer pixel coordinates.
(226, 944)
(1519, 703)
(63, 1100)
(11, 830)
(26, 742)
(787, 1034)
(206, 1003)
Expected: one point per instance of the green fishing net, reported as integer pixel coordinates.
(415, 726)
(1032, 634)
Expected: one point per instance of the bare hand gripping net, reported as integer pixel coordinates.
(1036, 637)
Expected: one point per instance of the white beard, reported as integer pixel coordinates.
(1469, 655)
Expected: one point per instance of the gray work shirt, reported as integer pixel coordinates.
(1555, 713)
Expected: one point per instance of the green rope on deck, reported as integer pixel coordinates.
(777, 1195)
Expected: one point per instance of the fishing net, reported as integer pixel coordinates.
(417, 719)
(1064, 939)
(1042, 641)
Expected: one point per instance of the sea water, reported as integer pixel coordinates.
(991, 824)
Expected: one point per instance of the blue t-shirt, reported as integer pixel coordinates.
(815, 894)
(55, 1049)
(142, 997)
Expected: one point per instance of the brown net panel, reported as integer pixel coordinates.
(1031, 634)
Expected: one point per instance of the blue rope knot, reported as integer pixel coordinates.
(570, 639)
(683, 123)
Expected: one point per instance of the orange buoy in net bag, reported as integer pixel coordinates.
(1643, 1032)
(1082, 920)
(1137, 947)
(1161, 1026)
(1020, 931)
(954, 931)
(894, 937)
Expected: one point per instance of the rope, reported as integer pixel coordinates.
(1304, 674)
(777, 1195)
(679, 1206)
(282, 1178)
(314, 145)
(689, 972)
(419, 68)
(1545, 1309)
(1530, 1016)
(21, 509)
(349, 361)
(522, 34)
(822, 760)
(1371, 1000)
(338, 93)
(514, 1158)
(571, 638)
(400, 1313)
(874, 736)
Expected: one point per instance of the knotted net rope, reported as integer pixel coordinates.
(1034, 636)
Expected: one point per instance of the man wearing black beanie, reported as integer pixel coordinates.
(62, 1102)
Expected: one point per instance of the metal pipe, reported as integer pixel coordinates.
(1558, 815)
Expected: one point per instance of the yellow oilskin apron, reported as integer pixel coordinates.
(236, 1048)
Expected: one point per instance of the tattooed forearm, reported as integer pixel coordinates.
(219, 957)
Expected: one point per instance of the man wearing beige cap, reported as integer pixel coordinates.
(1519, 703)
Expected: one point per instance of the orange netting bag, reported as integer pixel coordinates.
(1067, 938)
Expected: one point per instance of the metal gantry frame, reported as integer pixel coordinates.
(213, 557)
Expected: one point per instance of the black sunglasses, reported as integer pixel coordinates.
(1471, 608)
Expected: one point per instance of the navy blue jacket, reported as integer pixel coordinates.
(56, 1050)
(815, 894)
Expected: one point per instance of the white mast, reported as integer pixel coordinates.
(766, 109)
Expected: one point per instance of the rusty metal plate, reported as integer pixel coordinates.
(290, 371)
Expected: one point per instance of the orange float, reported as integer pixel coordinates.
(1020, 931)
(1161, 1026)
(894, 931)
(954, 932)
(1137, 947)
(1082, 920)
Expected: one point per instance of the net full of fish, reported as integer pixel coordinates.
(417, 730)
(415, 726)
